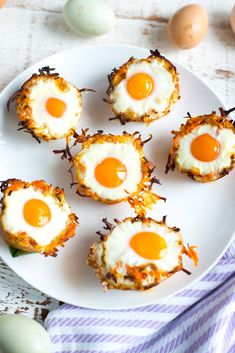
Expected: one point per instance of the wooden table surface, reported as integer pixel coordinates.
(32, 30)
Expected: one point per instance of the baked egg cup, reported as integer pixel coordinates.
(138, 253)
(143, 90)
(48, 106)
(204, 147)
(112, 169)
(35, 217)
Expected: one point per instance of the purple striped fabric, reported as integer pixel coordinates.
(204, 323)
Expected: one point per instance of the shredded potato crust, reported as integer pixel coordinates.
(143, 197)
(135, 274)
(221, 122)
(120, 74)
(23, 241)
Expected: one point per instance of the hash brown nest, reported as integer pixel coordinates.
(137, 277)
(192, 123)
(118, 75)
(24, 109)
(22, 240)
(143, 197)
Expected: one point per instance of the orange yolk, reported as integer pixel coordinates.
(55, 107)
(149, 245)
(205, 148)
(110, 172)
(140, 86)
(36, 213)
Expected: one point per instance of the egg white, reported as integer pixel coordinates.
(14, 222)
(125, 153)
(226, 138)
(117, 246)
(159, 98)
(49, 125)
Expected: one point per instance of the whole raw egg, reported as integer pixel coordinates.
(19, 334)
(89, 17)
(188, 26)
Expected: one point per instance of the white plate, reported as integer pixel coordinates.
(204, 212)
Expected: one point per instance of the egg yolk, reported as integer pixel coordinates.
(205, 148)
(140, 86)
(149, 245)
(110, 172)
(36, 213)
(55, 107)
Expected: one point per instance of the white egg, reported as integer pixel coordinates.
(137, 254)
(19, 334)
(89, 17)
(126, 153)
(226, 139)
(45, 122)
(14, 221)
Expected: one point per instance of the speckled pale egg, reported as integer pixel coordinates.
(188, 26)
(89, 17)
(232, 19)
(19, 334)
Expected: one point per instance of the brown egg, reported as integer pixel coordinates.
(188, 26)
(2, 3)
(232, 19)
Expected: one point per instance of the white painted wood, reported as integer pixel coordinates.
(32, 30)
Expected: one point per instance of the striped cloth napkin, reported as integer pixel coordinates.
(200, 319)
